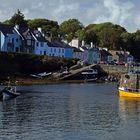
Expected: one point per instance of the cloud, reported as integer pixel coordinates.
(123, 12)
(116, 11)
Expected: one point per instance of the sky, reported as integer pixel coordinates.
(123, 12)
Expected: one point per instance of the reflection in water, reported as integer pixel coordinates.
(130, 108)
(63, 112)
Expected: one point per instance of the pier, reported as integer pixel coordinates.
(115, 70)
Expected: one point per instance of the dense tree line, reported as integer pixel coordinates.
(106, 35)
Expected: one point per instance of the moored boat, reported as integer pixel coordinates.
(130, 83)
(89, 75)
(8, 93)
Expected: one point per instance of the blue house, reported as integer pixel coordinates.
(9, 40)
(26, 38)
(60, 49)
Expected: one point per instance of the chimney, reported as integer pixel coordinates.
(91, 44)
(17, 27)
(39, 29)
(83, 43)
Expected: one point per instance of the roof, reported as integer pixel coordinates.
(23, 31)
(76, 49)
(84, 48)
(93, 49)
(6, 29)
(104, 52)
(38, 36)
(59, 44)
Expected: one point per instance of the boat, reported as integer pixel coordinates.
(89, 75)
(41, 75)
(129, 85)
(8, 93)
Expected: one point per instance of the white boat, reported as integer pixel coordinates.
(89, 75)
(41, 75)
(90, 72)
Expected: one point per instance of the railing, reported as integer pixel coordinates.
(130, 89)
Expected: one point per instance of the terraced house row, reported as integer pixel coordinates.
(25, 40)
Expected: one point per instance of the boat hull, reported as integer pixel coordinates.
(124, 93)
(7, 94)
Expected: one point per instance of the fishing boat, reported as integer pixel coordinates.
(130, 83)
(8, 93)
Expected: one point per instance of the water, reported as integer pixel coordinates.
(70, 112)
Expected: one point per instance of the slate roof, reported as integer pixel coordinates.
(84, 48)
(6, 29)
(58, 44)
(22, 31)
(76, 49)
(105, 53)
(38, 35)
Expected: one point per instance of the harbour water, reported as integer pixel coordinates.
(70, 112)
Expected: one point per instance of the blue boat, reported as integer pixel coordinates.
(8, 93)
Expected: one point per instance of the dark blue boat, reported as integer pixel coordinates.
(8, 93)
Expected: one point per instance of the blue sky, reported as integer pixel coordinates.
(123, 12)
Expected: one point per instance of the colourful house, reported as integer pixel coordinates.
(41, 44)
(60, 49)
(26, 38)
(94, 55)
(9, 40)
(106, 56)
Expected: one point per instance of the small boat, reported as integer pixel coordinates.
(41, 75)
(89, 75)
(8, 93)
(129, 85)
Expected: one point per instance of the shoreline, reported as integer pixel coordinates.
(32, 81)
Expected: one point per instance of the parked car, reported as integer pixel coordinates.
(111, 63)
(121, 63)
(103, 62)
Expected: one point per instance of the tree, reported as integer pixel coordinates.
(70, 28)
(48, 26)
(135, 48)
(106, 35)
(126, 41)
(90, 36)
(81, 34)
(17, 19)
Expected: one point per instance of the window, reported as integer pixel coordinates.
(40, 52)
(59, 50)
(28, 42)
(17, 40)
(37, 44)
(42, 44)
(62, 50)
(54, 50)
(44, 52)
(12, 40)
(17, 49)
(51, 49)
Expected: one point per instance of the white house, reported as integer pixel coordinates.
(75, 43)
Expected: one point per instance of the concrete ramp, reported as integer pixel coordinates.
(76, 72)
